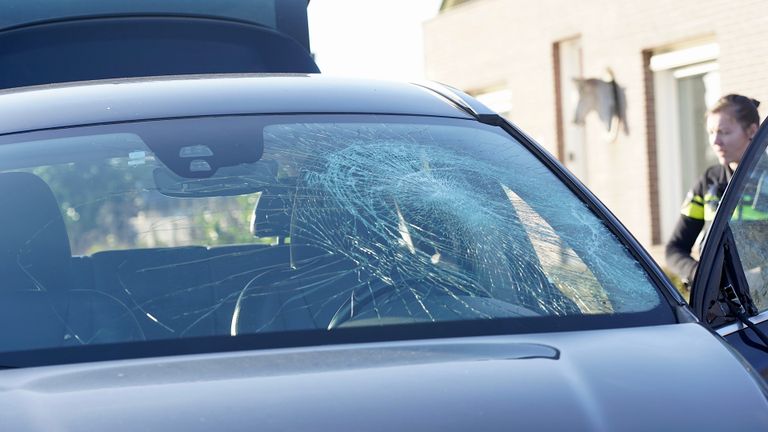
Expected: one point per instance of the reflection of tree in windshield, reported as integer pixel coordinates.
(113, 206)
(93, 200)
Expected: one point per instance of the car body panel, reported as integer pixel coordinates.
(637, 377)
(621, 379)
(749, 345)
(48, 41)
(268, 13)
(62, 105)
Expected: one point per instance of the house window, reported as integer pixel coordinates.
(686, 83)
(570, 136)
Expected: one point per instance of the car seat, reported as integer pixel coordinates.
(39, 307)
(306, 290)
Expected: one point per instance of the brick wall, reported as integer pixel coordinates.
(490, 43)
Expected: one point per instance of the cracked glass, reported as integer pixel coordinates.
(227, 226)
(749, 225)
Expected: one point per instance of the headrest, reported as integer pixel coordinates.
(34, 247)
(272, 213)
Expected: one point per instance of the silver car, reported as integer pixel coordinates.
(298, 252)
(240, 251)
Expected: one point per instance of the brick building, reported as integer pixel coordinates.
(670, 60)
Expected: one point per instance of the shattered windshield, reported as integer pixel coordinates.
(227, 226)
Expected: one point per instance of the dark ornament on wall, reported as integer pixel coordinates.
(605, 97)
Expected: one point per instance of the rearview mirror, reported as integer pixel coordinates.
(198, 148)
(227, 181)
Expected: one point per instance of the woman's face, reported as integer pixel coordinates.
(727, 137)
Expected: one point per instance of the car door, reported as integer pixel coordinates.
(730, 290)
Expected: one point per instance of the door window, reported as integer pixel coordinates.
(749, 224)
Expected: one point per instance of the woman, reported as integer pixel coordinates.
(731, 124)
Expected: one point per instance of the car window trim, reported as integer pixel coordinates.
(739, 326)
(715, 237)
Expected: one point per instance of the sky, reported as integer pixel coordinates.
(368, 38)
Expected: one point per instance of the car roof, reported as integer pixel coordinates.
(285, 16)
(117, 100)
(49, 41)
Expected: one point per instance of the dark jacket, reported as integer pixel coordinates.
(696, 214)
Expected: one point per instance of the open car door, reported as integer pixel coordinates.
(730, 290)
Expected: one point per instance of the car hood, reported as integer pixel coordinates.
(653, 378)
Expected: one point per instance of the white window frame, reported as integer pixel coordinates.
(667, 68)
